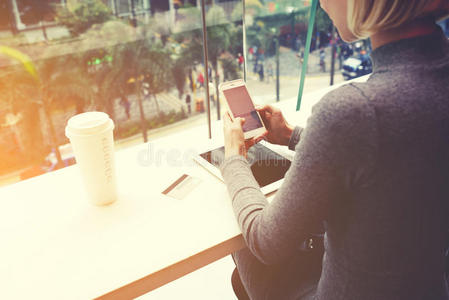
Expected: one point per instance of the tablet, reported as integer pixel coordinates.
(268, 167)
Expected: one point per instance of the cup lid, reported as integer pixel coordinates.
(88, 123)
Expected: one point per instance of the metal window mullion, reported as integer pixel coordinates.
(206, 65)
(245, 70)
(312, 16)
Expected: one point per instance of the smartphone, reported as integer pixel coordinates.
(241, 105)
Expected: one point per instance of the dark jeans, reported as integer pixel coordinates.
(297, 278)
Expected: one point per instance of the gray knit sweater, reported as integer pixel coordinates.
(373, 165)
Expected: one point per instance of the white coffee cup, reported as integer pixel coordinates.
(92, 141)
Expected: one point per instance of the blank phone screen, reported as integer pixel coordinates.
(242, 107)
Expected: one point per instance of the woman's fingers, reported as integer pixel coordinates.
(265, 108)
(227, 116)
(249, 143)
(266, 118)
(263, 136)
(227, 120)
(227, 123)
(237, 123)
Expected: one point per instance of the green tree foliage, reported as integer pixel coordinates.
(187, 56)
(17, 95)
(83, 15)
(230, 67)
(189, 19)
(99, 44)
(323, 22)
(219, 35)
(138, 61)
(59, 84)
(252, 7)
(147, 63)
(219, 32)
(179, 75)
(236, 40)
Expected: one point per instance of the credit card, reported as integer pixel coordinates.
(182, 187)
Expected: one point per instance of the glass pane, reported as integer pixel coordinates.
(444, 24)
(142, 62)
(5, 16)
(137, 60)
(187, 42)
(33, 12)
(225, 48)
(276, 37)
(123, 6)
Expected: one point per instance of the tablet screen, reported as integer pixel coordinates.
(267, 166)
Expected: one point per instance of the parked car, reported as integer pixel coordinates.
(354, 67)
(50, 163)
(68, 158)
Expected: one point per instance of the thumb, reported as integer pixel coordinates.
(242, 121)
(263, 136)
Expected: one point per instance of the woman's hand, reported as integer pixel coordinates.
(234, 139)
(278, 130)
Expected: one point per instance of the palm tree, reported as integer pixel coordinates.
(137, 58)
(98, 43)
(54, 82)
(80, 16)
(219, 33)
(18, 98)
(156, 66)
(148, 63)
(62, 84)
(190, 52)
(230, 67)
(179, 71)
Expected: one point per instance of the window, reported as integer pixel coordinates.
(34, 12)
(5, 16)
(126, 7)
(159, 6)
(141, 61)
(122, 6)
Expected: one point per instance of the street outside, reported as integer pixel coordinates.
(262, 92)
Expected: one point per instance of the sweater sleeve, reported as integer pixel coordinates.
(326, 159)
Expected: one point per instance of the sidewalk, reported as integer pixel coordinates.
(262, 93)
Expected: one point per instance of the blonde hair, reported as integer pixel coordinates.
(366, 17)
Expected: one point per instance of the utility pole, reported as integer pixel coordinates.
(171, 9)
(217, 94)
(147, 10)
(276, 40)
(12, 20)
(15, 11)
(334, 50)
(115, 7)
(206, 64)
(133, 13)
(245, 63)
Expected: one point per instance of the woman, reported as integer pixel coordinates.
(372, 165)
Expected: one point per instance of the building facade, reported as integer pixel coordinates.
(20, 15)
